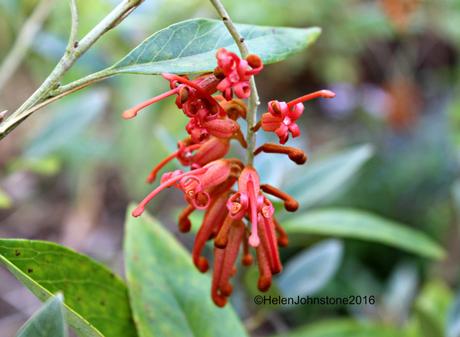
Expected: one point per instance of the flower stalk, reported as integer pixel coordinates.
(254, 98)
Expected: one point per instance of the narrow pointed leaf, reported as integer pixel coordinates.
(96, 300)
(349, 223)
(168, 295)
(190, 46)
(48, 321)
(317, 181)
(309, 271)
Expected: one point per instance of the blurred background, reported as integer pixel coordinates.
(68, 173)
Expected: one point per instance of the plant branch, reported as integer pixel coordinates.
(254, 98)
(84, 81)
(73, 37)
(24, 39)
(15, 120)
(71, 55)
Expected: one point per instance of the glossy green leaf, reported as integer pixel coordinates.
(49, 321)
(350, 223)
(309, 271)
(169, 296)
(343, 328)
(96, 299)
(190, 46)
(320, 179)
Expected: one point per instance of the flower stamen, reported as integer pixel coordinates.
(131, 113)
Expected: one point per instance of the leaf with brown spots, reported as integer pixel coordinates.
(96, 300)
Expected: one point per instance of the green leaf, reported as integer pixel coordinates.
(190, 46)
(169, 296)
(431, 309)
(343, 328)
(350, 223)
(49, 321)
(310, 270)
(317, 181)
(96, 300)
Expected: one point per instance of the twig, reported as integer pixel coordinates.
(16, 120)
(254, 98)
(84, 81)
(24, 39)
(43, 93)
(73, 37)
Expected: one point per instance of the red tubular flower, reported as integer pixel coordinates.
(214, 148)
(224, 261)
(214, 217)
(268, 258)
(198, 101)
(251, 202)
(269, 240)
(246, 201)
(194, 184)
(210, 150)
(281, 116)
(222, 127)
(265, 274)
(191, 93)
(183, 153)
(207, 116)
(236, 73)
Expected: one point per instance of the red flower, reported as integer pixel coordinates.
(281, 116)
(195, 184)
(250, 201)
(236, 73)
(247, 201)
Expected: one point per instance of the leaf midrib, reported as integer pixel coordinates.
(277, 32)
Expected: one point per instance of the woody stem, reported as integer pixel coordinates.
(254, 98)
(44, 94)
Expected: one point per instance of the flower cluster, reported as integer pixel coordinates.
(237, 210)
